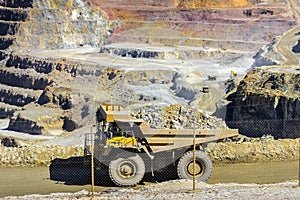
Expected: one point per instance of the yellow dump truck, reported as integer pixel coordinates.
(129, 148)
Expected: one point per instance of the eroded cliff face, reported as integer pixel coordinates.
(24, 86)
(52, 24)
(267, 99)
(11, 16)
(32, 89)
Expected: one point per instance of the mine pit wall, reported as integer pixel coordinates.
(8, 28)
(13, 98)
(26, 79)
(12, 14)
(39, 65)
(22, 80)
(20, 97)
(17, 4)
(215, 28)
(257, 116)
(3, 56)
(5, 43)
(24, 125)
(132, 52)
(6, 112)
(266, 103)
(65, 24)
(37, 24)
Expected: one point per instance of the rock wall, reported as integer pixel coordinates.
(34, 24)
(40, 66)
(18, 98)
(27, 81)
(267, 102)
(296, 48)
(17, 79)
(66, 24)
(16, 4)
(12, 14)
(24, 125)
(7, 111)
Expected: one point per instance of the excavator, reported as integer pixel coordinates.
(128, 147)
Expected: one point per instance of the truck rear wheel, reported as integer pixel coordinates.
(127, 170)
(203, 168)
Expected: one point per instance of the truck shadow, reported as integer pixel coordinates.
(77, 171)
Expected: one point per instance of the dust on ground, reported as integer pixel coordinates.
(25, 180)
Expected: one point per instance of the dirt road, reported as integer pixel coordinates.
(290, 38)
(21, 181)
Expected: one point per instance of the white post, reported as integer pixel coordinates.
(194, 158)
(92, 162)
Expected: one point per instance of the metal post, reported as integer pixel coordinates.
(299, 164)
(92, 162)
(194, 158)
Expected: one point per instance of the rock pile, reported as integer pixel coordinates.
(33, 155)
(263, 149)
(177, 117)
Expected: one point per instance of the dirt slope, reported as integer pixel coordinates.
(286, 42)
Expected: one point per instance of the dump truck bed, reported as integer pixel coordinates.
(163, 139)
(167, 139)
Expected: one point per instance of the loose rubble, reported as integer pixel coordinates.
(35, 155)
(177, 117)
(254, 150)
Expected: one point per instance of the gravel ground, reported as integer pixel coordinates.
(181, 189)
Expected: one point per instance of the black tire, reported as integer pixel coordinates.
(127, 170)
(185, 165)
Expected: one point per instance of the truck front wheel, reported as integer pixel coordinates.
(127, 170)
(203, 167)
